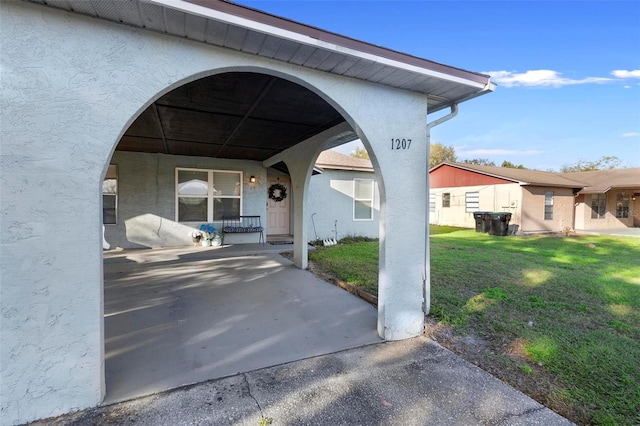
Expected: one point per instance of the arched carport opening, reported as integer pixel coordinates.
(79, 72)
(167, 317)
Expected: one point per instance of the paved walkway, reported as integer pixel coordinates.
(411, 382)
(181, 316)
(625, 232)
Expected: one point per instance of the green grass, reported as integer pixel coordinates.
(575, 310)
(354, 262)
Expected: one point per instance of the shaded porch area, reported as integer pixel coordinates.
(185, 315)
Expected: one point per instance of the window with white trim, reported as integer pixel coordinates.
(207, 195)
(548, 205)
(110, 196)
(363, 199)
(472, 201)
(446, 199)
(598, 206)
(432, 202)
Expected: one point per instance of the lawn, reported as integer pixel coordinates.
(558, 318)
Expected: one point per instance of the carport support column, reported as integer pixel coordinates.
(300, 160)
(300, 184)
(401, 170)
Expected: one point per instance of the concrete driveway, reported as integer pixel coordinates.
(181, 316)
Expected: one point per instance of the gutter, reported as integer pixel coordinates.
(426, 296)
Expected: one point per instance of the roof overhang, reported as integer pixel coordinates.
(521, 182)
(232, 26)
(609, 188)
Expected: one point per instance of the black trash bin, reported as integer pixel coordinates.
(482, 221)
(499, 223)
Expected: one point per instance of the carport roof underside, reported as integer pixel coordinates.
(255, 116)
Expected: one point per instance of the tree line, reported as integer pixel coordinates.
(441, 153)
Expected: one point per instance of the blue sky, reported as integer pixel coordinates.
(568, 72)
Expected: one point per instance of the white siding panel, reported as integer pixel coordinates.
(152, 16)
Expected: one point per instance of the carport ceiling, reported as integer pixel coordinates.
(244, 116)
(232, 115)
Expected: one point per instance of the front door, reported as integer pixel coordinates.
(278, 211)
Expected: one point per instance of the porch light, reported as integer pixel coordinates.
(252, 179)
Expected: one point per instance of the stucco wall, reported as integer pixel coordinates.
(493, 198)
(70, 87)
(609, 221)
(533, 209)
(331, 199)
(146, 199)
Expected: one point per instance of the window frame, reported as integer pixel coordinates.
(446, 199)
(548, 205)
(210, 197)
(432, 202)
(112, 174)
(601, 204)
(360, 199)
(622, 205)
(471, 199)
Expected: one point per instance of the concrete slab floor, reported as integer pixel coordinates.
(410, 383)
(175, 318)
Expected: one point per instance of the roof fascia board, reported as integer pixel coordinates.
(519, 182)
(328, 41)
(490, 87)
(587, 190)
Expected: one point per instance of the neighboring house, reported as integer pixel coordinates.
(185, 192)
(538, 201)
(344, 198)
(609, 199)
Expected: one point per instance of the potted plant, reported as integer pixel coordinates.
(210, 235)
(196, 236)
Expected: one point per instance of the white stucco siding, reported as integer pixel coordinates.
(331, 199)
(401, 175)
(146, 198)
(71, 85)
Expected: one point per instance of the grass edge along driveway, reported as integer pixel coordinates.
(557, 318)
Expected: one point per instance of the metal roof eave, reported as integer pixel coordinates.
(375, 64)
(490, 87)
(266, 23)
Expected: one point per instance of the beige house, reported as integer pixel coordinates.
(538, 201)
(609, 199)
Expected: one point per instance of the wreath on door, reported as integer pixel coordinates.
(281, 191)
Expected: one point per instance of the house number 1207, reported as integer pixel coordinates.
(400, 143)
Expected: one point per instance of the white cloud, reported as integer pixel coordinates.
(630, 135)
(626, 73)
(489, 152)
(533, 78)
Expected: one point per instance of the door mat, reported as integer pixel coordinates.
(279, 243)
